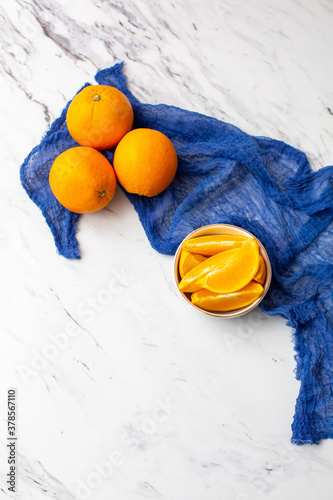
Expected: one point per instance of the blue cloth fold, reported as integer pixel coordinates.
(260, 184)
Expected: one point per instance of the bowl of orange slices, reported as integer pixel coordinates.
(222, 270)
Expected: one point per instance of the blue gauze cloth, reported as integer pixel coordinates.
(227, 176)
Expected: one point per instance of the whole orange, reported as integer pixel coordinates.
(145, 162)
(99, 116)
(82, 180)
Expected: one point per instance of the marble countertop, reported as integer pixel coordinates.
(123, 391)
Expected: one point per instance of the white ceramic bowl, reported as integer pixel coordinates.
(223, 229)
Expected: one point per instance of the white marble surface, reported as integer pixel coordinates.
(123, 391)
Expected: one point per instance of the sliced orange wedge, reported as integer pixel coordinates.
(213, 244)
(188, 261)
(187, 284)
(261, 273)
(211, 301)
(235, 269)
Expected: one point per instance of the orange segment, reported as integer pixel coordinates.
(188, 261)
(236, 268)
(211, 301)
(261, 273)
(186, 284)
(213, 244)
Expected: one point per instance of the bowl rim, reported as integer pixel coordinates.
(215, 228)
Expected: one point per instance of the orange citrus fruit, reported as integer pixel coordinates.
(145, 162)
(188, 282)
(261, 273)
(211, 301)
(188, 261)
(99, 116)
(212, 244)
(226, 271)
(236, 269)
(82, 180)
